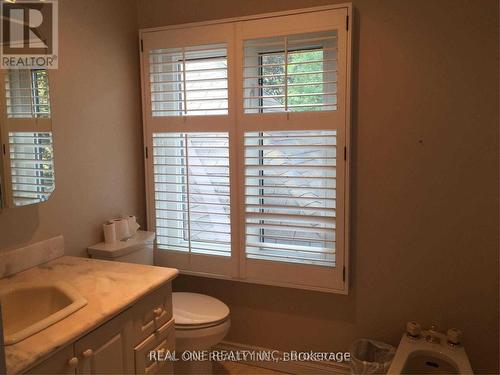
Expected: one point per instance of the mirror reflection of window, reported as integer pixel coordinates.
(30, 149)
(31, 166)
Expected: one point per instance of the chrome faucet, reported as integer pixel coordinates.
(432, 335)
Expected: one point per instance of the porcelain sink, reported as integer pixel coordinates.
(416, 355)
(422, 363)
(28, 308)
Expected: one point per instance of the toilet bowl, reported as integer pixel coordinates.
(200, 321)
(419, 356)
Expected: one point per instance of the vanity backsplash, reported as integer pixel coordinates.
(20, 259)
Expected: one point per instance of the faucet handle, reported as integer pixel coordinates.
(454, 336)
(432, 334)
(413, 329)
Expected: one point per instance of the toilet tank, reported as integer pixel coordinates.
(137, 249)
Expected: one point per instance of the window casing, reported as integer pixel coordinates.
(284, 193)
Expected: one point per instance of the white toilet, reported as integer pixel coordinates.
(201, 321)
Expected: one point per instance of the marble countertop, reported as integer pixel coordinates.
(109, 288)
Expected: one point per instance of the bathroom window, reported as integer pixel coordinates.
(252, 184)
(189, 81)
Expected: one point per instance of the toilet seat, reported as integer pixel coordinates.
(187, 327)
(197, 311)
(200, 321)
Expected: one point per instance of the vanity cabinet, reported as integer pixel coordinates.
(161, 341)
(122, 344)
(108, 349)
(152, 313)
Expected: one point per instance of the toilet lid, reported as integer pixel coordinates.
(195, 309)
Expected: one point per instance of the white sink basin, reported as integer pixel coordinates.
(419, 356)
(28, 308)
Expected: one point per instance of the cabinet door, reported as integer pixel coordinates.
(109, 349)
(63, 362)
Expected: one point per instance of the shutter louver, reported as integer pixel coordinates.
(290, 196)
(293, 73)
(188, 81)
(32, 167)
(191, 187)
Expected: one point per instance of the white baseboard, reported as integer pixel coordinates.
(292, 367)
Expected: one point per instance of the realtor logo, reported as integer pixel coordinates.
(29, 34)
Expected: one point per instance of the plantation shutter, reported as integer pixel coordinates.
(290, 196)
(293, 119)
(291, 73)
(192, 192)
(189, 122)
(189, 80)
(246, 126)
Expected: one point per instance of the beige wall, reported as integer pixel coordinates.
(97, 129)
(425, 167)
(425, 181)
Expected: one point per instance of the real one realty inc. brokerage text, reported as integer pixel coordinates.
(248, 355)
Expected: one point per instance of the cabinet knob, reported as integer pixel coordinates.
(158, 311)
(73, 362)
(87, 353)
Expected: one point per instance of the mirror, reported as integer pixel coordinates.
(27, 174)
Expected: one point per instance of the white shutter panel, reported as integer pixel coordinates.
(189, 118)
(294, 73)
(294, 121)
(188, 80)
(192, 193)
(290, 196)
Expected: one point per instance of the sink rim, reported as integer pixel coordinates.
(63, 287)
